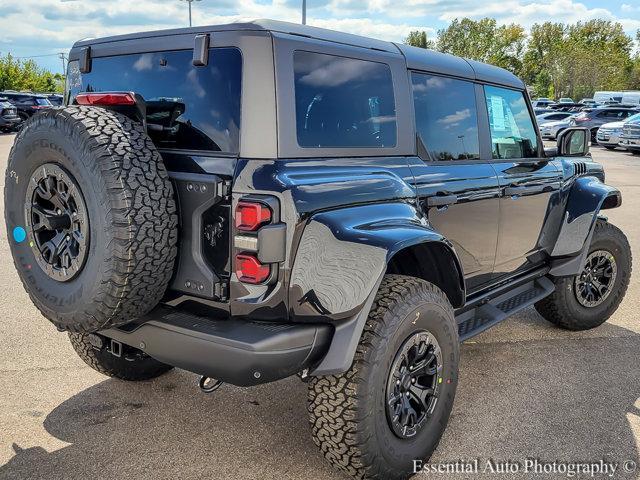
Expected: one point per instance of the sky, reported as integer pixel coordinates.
(43, 28)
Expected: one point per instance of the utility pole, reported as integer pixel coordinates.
(63, 57)
(304, 12)
(190, 2)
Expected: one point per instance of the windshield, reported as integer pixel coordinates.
(634, 118)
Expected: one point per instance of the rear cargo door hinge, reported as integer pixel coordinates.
(225, 188)
(221, 291)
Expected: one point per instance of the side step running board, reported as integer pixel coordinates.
(493, 311)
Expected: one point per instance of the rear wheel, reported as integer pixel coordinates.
(393, 404)
(588, 299)
(131, 364)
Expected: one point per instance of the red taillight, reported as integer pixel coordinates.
(250, 270)
(40, 107)
(105, 99)
(250, 216)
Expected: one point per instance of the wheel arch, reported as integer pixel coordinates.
(342, 258)
(433, 261)
(587, 198)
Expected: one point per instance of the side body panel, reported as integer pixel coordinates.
(527, 219)
(471, 223)
(324, 187)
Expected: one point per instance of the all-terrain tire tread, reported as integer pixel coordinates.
(554, 308)
(131, 370)
(140, 209)
(332, 399)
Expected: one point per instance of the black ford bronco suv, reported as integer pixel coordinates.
(259, 200)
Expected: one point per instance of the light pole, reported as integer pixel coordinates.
(190, 2)
(304, 12)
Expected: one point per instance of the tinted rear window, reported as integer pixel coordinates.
(193, 108)
(43, 102)
(343, 102)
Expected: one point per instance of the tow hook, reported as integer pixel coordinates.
(209, 385)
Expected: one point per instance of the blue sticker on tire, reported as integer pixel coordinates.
(19, 234)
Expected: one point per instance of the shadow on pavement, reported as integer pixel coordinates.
(570, 398)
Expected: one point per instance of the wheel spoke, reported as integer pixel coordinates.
(422, 395)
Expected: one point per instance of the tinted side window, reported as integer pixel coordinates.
(446, 116)
(343, 102)
(512, 132)
(195, 108)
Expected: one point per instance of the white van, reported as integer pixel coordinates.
(605, 96)
(631, 97)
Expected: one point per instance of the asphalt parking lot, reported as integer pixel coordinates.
(526, 390)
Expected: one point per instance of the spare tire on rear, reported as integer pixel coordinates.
(91, 218)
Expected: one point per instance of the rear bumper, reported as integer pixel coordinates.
(239, 352)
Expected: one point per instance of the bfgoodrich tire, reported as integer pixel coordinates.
(91, 218)
(358, 417)
(132, 365)
(588, 300)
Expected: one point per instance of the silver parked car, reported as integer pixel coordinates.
(594, 119)
(630, 137)
(551, 130)
(552, 116)
(609, 134)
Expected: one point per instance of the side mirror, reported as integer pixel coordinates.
(574, 142)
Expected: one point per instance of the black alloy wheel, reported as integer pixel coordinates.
(595, 283)
(414, 379)
(58, 222)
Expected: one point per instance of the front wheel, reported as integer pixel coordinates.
(392, 406)
(588, 299)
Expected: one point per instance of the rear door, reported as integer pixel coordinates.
(456, 184)
(528, 182)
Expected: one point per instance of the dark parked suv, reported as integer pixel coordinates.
(27, 104)
(9, 119)
(597, 117)
(254, 201)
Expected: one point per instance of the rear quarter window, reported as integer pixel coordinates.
(343, 102)
(191, 108)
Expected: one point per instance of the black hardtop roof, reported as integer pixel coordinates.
(417, 58)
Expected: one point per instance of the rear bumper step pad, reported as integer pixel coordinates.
(239, 352)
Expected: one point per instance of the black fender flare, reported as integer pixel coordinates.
(587, 198)
(342, 257)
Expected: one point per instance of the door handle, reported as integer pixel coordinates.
(441, 200)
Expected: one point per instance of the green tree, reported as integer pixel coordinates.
(485, 41)
(20, 75)
(419, 38)
(596, 55)
(540, 60)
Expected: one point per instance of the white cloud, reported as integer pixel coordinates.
(36, 27)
